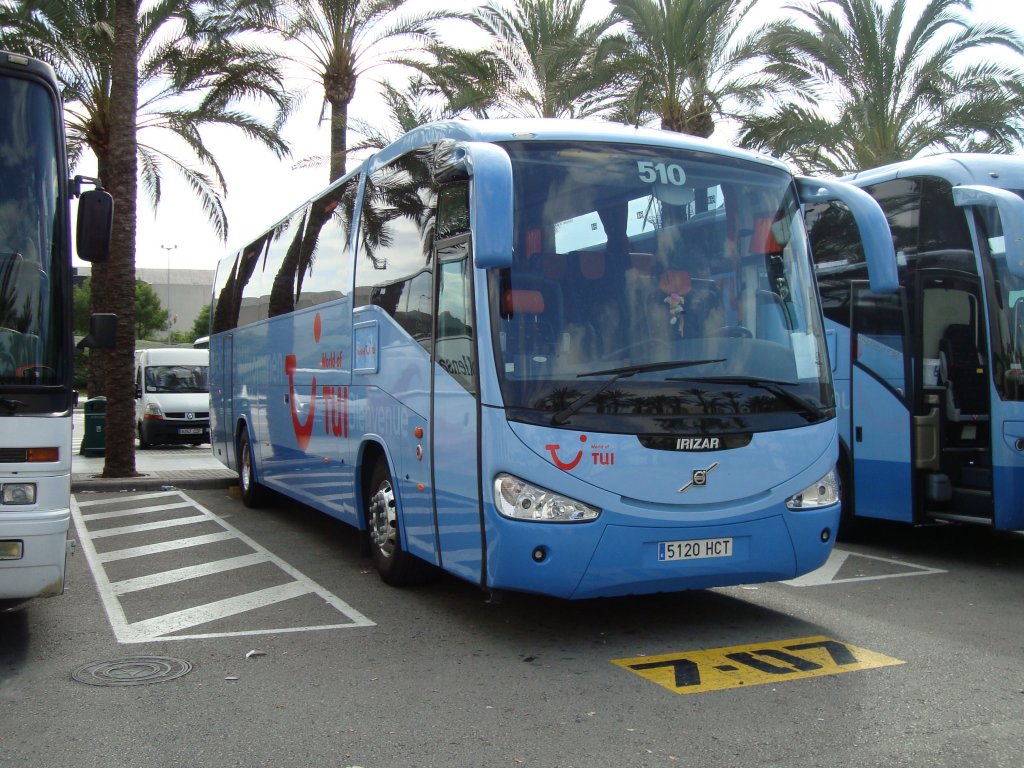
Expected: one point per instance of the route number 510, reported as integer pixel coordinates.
(670, 173)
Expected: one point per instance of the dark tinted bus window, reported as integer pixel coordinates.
(396, 238)
(900, 199)
(223, 312)
(277, 286)
(325, 262)
(943, 225)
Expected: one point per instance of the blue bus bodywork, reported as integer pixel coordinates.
(402, 399)
(929, 381)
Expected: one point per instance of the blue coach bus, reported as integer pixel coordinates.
(930, 379)
(568, 358)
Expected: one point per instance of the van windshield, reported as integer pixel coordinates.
(177, 378)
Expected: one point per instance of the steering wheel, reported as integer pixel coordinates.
(732, 332)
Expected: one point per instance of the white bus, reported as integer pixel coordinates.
(36, 347)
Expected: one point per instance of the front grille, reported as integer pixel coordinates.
(197, 416)
(13, 455)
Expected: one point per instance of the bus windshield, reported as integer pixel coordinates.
(657, 290)
(1006, 307)
(30, 319)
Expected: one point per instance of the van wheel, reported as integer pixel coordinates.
(395, 566)
(253, 494)
(143, 443)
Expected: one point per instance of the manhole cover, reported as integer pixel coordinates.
(137, 670)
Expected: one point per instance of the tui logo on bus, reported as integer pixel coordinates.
(600, 455)
(303, 408)
(699, 478)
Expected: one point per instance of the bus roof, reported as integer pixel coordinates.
(549, 129)
(1004, 171)
(534, 129)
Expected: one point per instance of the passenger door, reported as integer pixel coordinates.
(454, 438)
(880, 411)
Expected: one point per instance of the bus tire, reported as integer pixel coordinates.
(395, 566)
(143, 443)
(253, 494)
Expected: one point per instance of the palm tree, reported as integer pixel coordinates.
(119, 272)
(193, 71)
(685, 63)
(177, 66)
(541, 60)
(870, 86)
(342, 40)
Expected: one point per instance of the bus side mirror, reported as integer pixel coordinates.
(490, 202)
(1011, 216)
(95, 222)
(874, 229)
(102, 332)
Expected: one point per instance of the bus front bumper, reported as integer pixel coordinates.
(39, 572)
(625, 560)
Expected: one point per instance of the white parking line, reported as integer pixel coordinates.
(188, 572)
(164, 546)
(827, 573)
(164, 626)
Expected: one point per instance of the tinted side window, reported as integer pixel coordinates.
(325, 262)
(277, 283)
(223, 314)
(900, 199)
(396, 240)
(838, 256)
(248, 277)
(943, 225)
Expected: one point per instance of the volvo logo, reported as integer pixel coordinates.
(699, 478)
(189, 415)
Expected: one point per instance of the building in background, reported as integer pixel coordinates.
(183, 292)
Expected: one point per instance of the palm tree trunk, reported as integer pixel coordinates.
(339, 127)
(119, 272)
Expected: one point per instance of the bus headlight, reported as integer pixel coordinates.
(823, 493)
(519, 500)
(19, 493)
(153, 411)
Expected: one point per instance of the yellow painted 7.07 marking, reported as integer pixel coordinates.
(741, 665)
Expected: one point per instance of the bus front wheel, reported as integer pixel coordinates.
(252, 492)
(395, 566)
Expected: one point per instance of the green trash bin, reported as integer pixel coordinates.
(94, 439)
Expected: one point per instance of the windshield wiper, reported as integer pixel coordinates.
(777, 388)
(621, 373)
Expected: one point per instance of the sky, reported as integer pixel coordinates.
(263, 189)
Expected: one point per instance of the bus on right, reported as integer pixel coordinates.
(930, 380)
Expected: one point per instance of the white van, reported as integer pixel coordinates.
(172, 396)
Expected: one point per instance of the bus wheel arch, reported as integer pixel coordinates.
(381, 517)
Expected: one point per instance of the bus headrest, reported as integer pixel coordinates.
(528, 302)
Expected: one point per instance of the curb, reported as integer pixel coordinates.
(150, 482)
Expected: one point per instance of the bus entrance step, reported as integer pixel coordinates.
(972, 502)
(976, 478)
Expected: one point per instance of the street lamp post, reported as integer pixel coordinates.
(170, 331)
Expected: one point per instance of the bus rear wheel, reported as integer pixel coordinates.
(395, 566)
(253, 494)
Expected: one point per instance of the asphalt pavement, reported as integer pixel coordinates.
(180, 466)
